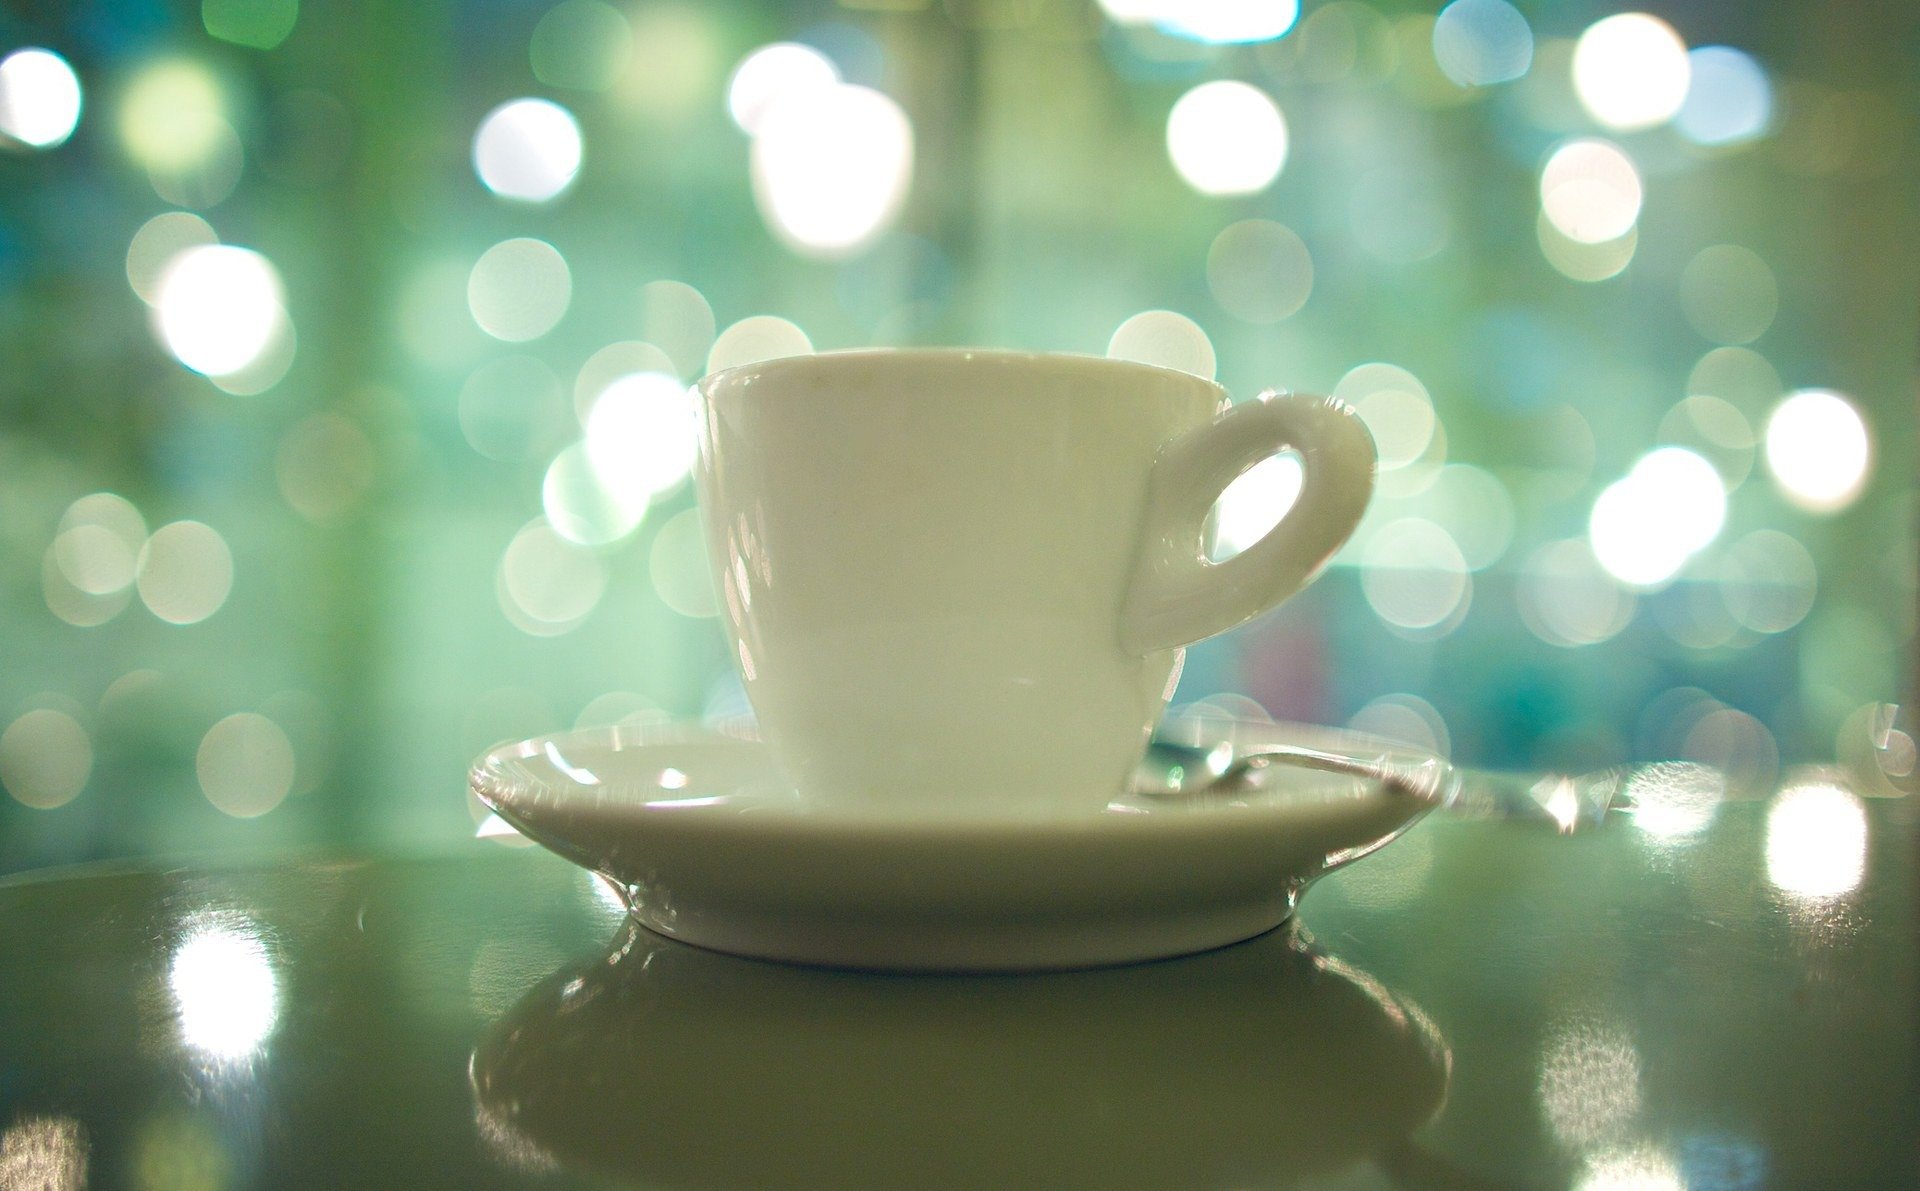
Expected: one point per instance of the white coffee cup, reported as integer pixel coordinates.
(960, 581)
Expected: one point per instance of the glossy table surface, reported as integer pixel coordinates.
(1661, 1002)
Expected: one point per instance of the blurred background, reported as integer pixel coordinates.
(344, 429)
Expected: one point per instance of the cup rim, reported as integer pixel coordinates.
(953, 356)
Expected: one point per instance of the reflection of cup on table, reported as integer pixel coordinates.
(1262, 1064)
(959, 580)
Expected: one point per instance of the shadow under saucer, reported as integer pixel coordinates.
(1264, 1063)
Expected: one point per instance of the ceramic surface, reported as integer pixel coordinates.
(717, 849)
(917, 551)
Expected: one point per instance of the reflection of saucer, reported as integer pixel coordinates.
(716, 849)
(1260, 1065)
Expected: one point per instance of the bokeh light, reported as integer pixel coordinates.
(46, 757)
(78, 608)
(185, 572)
(219, 308)
(582, 44)
(581, 509)
(1625, 529)
(527, 149)
(519, 289)
(1695, 497)
(1217, 22)
(256, 24)
(1645, 526)
(173, 116)
(831, 167)
(226, 999)
(1345, 40)
(97, 544)
(1407, 717)
(1578, 261)
(1768, 581)
(1475, 509)
(1729, 99)
(1714, 429)
(1166, 339)
(1259, 271)
(158, 241)
(208, 181)
(266, 369)
(772, 73)
(1567, 598)
(1729, 294)
(1133, 12)
(245, 765)
(93, 559)
(1396, 408)
(677, 564)
(1631, 70)
(756, 338)
(1591, 191)
(611, 363)
(676, 63)
(548, 585)
(40, 98)
(1816, 840)
(1665, 719)
(1414, 577)
(1738, 375)
(1737, 747)
(1481, 42)
(678, 319)
(642, 435)
(1227, 137)
(1818, 450)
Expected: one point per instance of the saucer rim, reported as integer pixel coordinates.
(1198, 812)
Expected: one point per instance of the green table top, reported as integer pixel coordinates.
(1482, 1004)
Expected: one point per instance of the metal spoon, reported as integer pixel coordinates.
(1566, 802)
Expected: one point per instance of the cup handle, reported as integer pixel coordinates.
(1177, 597)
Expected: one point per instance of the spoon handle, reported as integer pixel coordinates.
(1428, 779)
(1566, 802)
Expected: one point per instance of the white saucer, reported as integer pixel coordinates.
(715, 849)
